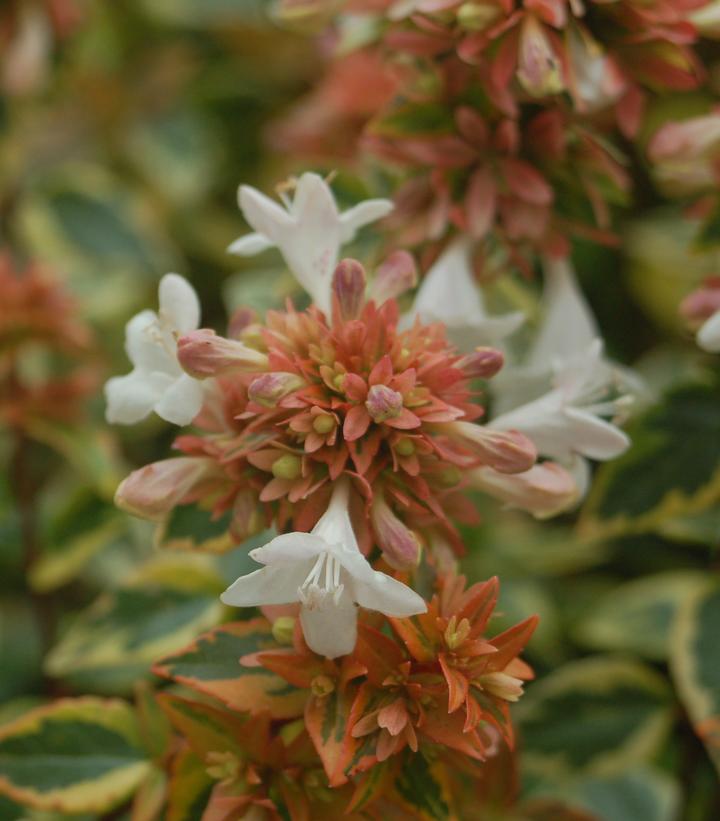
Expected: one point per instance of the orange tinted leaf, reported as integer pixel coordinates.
(457, 683)
(327, 722)
(511, 643)
(379, 654)
(211, 665)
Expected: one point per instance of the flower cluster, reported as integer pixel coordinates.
(45, 349)
(412, 691)
(510, 121)
(355, 431)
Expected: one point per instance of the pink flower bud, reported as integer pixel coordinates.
(545, 490)
(383, 403)
(400, 546)
(348, 286)
(203, 354)
(154, 490)
(506, 451)
(241, 319)
(482, 363)
(267, 390)
(702, 303)
(397, 274)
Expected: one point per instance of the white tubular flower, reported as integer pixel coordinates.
(324, 571)
(567, 422)
(544, 491)
(309, 230)
(157, 382)
(708, 337)
(449, 294)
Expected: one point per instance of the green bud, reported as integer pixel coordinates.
(288, 466)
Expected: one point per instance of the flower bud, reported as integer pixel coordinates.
(544, 491)
(267, 390)
(702, 303)
(324, 423)
(506, 451)
(502, 685)
(241, 319)
(348, 287)
(400, 546)
(154, 490)
(397, 274)
(482, 363)
(288, 466)
(305, 16)
(383, 403)
(539, 69)
(203, 354)
(477, 16)
(283, 629)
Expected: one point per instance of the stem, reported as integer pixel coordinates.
(25, 491)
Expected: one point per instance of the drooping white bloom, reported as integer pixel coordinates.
(567, 423)
(324, 571)
(564, 392)
(157, 382)
(449, 294)
(308, 229)
(708, 337)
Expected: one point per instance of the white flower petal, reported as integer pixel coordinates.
(331, 631)
(362, 214)
(179, 304)
(269, 585)
(289, 548)
(594, 437)
(708, 337)
(568, 325)
(264, 215)
(181, 402)
(449, 294)
(388, 596)
(132, 397)
(144, 344)
(249, 245)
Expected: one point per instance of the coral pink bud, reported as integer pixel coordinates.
(241, 319)
(545, 490)
(203, 353)
(482, 363)
(702, 303)
(153, 491)
(267, 390)
(397, 274)
(505, 451)
(348, 286)
(383, 403)
(400, 546)
(539, 69)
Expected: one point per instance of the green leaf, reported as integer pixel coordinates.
(190, 527)
(116, 640)
(639, 794)
(77, 755)
(189, 787)
(85, 525)
(637, 616)
(423, 788)
(416, 120)
(211, 665)
(595, 715)
(671, 470)
(91, 452)
(20, 648)
(695, 664)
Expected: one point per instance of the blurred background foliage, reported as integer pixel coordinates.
(121, 162)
